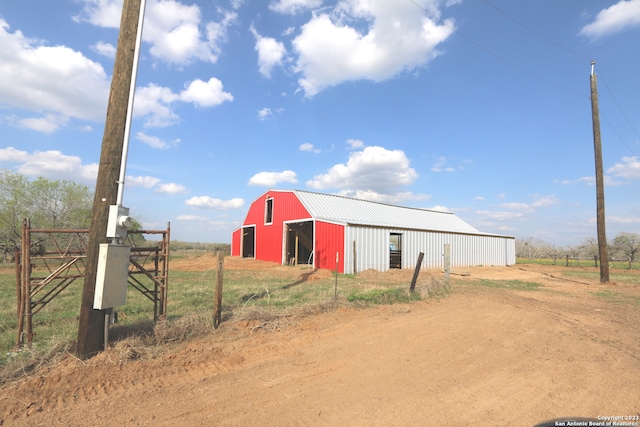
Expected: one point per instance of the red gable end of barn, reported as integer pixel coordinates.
(264, 232)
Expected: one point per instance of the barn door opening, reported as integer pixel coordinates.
(300, 243)
(395, 250)
(248, 242)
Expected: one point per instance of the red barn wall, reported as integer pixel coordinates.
(269, 237)
(235, 242)
(329, 240)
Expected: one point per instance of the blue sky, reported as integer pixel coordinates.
(477, 107)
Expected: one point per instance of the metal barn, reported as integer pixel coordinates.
(352, 235)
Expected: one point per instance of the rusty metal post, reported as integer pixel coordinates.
(26, 281)
(165, 270)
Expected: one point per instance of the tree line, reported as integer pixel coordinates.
(49, 204)
(624, 247)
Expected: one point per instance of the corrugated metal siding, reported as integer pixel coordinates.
(372, 249)
(329, 240)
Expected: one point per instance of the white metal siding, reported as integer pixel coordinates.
(372, 249)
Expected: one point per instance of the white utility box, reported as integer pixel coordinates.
(118, 222)
(112, 277)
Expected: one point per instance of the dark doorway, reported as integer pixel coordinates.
(248, 242)
(395, 250)
(300, 243)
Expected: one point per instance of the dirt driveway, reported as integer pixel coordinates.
(481, 356)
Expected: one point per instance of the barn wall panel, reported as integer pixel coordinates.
(372, 249)
(329, 240)
(235, 242)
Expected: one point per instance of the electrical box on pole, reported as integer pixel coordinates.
(112, 276)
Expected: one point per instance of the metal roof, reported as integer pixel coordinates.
(346, 210)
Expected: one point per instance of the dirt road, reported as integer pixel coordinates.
(481, 356)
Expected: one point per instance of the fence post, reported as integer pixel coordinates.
(447, 263)
(355, 265)
(217, 310)
(335, 292)
(416, 272)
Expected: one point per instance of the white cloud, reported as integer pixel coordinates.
(539, 202)
(205, 94)
(440, 166)
(191, 218)
(629, 168)
(293, 6)
(613, 219)
(395, 198)
(206, 202)
(271, 179)
(501, 215)
(175, 31)
(49, 164)
(620, 16)
(271, 53)
(171, 188)
(103, 13)
(155, 103)
(372, 169)
(264, 113)
(142, 181)
(440, 208)
(308, 147)
(49, 123)
(155, 142)
(355, 143)
(332, 49)
(53, 80)
(105, 49)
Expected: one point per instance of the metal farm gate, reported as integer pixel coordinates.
(51, 260)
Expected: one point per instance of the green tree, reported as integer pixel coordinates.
(627, 244)
(48, 204)
(14, 205)
(60, 204)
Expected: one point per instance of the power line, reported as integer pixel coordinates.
(561, 46)
(496, 56)
(621, 111)
(542, 36)
(522, 70)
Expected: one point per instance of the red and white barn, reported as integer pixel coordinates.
(329, 231)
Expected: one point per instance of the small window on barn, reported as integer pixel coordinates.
(268, 211)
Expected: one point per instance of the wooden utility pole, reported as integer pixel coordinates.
(597, 144)
(92, 322)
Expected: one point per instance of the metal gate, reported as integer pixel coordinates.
(51, 260)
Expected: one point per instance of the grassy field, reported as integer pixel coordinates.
(191, 295)
(250, 291)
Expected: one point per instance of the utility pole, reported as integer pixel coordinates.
(92, 322)
(597, 144)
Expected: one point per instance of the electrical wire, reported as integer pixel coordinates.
(498, 57)
(522, 70)
(561, 46)
(542, 36)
